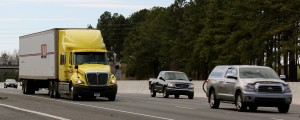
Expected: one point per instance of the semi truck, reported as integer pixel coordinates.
(69, 62)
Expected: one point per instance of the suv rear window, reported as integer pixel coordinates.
(218, 72)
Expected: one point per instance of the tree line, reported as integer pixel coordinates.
(9, 59)
(194, 36)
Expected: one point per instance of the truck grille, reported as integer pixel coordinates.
(182, 85)
(97, 78)
(270, 89)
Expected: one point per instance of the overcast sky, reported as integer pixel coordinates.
(21, 17)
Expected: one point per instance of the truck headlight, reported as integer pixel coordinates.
(191, 86)
(78, 81)
(171, 85)
(250, 87)
(287, 88)
(114, 81)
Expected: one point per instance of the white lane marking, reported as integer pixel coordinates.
(35, 112)
(276, 119)
(185, 107)
(104, 108)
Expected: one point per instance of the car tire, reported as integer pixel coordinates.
(165, 93)
(152, 91)
(213, 101)
(284, 108)
(239, 104)
(176, 96)
(191, 96)
(253, 108)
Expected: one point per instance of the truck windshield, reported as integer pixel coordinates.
(266, 73)
(176, 76)
(90, 58)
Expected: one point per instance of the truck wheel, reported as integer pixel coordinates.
(24, 86)
(152, 91)
(253, 108)
(176, 96)
(165, 93)
(55, 90)
(191, 96)
(30, 87)
(112, 97)
(73, 96)
(51, 89)
(284, 108)
(213, 101)
(240, 105)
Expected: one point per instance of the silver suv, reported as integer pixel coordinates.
(248, 86)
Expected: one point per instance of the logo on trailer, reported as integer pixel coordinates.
(44, 50)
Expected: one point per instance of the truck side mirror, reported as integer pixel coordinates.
(282, 77)
(230, 75)
(161, 78)
(190, 79)
(76, 66)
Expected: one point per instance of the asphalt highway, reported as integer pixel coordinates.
(16, 106)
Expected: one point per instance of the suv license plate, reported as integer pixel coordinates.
(97, 94)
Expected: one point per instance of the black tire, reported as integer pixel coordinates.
(176, 96)
(55, 90)
(51, 89)
(72, 96)
(165, 93)
(204, 86)
(24, 86)
(239, 104)
(213, 101)
(253, 108)
(111, 98)
(284, 108)
(191, 96)
(152, 91)
(30, 87)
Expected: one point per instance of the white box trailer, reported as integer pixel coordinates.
(38, 56)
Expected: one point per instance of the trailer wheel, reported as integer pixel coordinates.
(24, 87)
(51, 89)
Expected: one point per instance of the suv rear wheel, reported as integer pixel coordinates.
(240, 105)
(213, 101)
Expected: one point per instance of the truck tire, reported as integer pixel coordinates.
(51, 89)
(176, 96)
(28, 87)
(213, 101)
(152, 91)
(284, 108)
(24, 86)
(112, 97)
(165, 93)
(239, 104)
(55, 90)
(72, 96)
